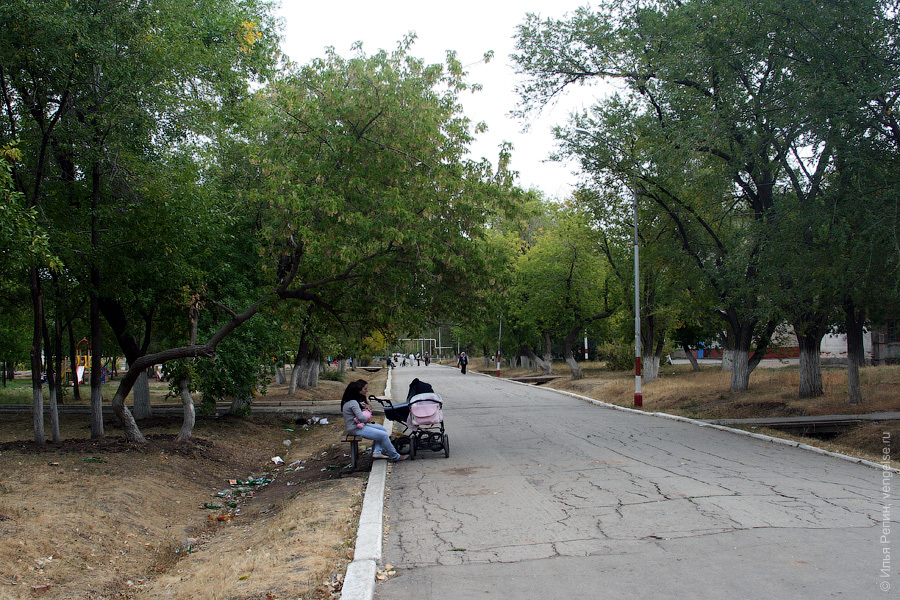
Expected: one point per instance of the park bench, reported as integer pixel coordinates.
(353, 440)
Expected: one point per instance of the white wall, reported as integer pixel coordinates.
(834, 345)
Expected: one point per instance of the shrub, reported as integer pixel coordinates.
(617, 355)
(332, 375)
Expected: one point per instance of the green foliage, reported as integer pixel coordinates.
(333, 375)
(618, 355)
(23, 242)
(560, 281)
(749, 146)
(365, 192)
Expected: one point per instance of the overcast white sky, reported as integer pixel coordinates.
(471, 28)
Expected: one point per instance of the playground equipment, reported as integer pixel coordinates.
(82, 364)
(82, 360)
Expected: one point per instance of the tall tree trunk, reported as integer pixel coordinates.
(302, 373)
(740, 366)
(810, 366)
(650, 362)
(184, 384)
(52, 382)
(577, 373)
(96, 342)
(743, 363)
(728, 359)
(547, 363)
(740, 370)
(37, 392)
(537, 362)
(315, 366)
(297, 371)
(568, 352)
(96, 362)
(187, 404)
(650, 367)
(118, 321)
(140, 395)
(856, 354)
(695, 366)
(306, 368)
(57, 342)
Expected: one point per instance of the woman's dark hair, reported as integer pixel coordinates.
(354, 391)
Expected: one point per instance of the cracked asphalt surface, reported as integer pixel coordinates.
(548, 496)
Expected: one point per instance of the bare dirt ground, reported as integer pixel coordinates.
(213, 518)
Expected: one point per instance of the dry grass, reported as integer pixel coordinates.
(134, 525)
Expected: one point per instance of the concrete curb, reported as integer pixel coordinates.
(759, 436)
(359, 581)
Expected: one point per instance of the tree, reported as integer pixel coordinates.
(560, 286)
(371, 201)
(93, 90)
(716, 94)
(360, 202)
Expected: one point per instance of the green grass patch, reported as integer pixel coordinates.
(17, 391)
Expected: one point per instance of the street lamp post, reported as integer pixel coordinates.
(499, 338)
(638, 396)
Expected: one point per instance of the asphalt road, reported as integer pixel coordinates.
(548, 496)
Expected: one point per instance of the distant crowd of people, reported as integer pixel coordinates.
(402, 360)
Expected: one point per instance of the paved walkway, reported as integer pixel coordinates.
(548, 496)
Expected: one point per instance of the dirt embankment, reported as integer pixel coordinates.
(211, 518)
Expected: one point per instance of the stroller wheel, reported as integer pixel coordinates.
(412, 448)
(402, 444)
(446, 446)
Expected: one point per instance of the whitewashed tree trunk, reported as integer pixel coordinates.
(740, 369)
(37, 407)
(238, 405)
(140, 394)
(54, 414)
(577, 373)
(303, 378)
(295, 376)
(650, 367)
(315, 369)
(728, 360)
(187, 404)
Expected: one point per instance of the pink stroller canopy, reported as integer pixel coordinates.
(424, 409)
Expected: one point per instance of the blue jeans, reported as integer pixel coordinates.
(382, 441)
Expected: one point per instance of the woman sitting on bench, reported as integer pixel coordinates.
(352, 406)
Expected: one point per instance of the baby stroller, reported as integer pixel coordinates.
(422, 418)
